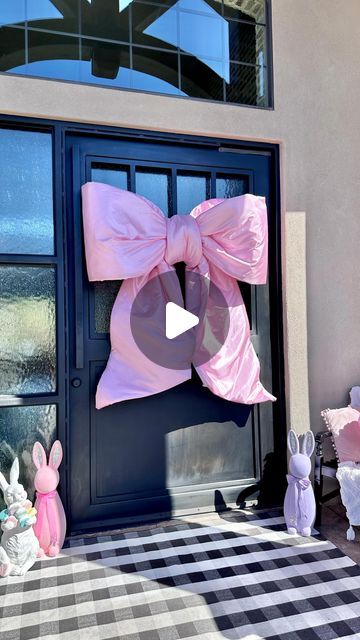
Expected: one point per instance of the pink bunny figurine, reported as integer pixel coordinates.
(299, 504)
(50, 527)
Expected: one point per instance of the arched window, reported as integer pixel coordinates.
(210, 49)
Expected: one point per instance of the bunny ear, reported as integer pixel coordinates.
(39, 455)
(3, 482)
(293, 442)
(14, 472)
(56, 455)
(308, 444)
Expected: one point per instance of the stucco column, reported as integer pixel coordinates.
(295, 321)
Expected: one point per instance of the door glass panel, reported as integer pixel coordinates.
(191, 190)
(155, 186)
(110, 174)
(106, 292)
(27, 337)
(20, 427)
(26, 193)
(231, 186)
(104, 295)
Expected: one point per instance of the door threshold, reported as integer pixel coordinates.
(163, 520)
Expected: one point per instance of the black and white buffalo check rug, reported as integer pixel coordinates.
(239, 575)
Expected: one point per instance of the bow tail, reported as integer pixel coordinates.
(129, 373)
(233, 373)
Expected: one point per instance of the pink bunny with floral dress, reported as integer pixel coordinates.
(50, 527)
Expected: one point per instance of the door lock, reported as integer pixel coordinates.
(76, 382)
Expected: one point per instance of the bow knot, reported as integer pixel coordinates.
(302, 483)
(183, 241)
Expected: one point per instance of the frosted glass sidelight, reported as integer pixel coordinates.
(20, 427)
(26, 193)
(27, 337)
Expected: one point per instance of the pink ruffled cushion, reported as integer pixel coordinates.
(345, 430)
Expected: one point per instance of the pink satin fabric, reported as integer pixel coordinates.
(128, 238)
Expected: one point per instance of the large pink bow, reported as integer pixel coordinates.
(128, 238)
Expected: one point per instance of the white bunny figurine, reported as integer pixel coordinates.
(19, 545)
(299, 504)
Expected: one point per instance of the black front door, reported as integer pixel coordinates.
(185, 448)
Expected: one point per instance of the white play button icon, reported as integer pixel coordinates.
(178, 320)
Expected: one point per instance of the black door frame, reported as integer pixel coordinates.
(59, 132)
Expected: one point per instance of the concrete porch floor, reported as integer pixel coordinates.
(334, 526)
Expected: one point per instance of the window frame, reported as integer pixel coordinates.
(55, 261)
(268, 77)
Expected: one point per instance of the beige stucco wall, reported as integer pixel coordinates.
(317, 120)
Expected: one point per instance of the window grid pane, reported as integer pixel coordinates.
(20, 428)
(28, 329)
(192, 188)
(26, 194)
(186, 48)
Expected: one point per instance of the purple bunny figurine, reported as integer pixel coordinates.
(299, 504)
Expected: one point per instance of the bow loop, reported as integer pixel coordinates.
(234, 236)
(125, 234)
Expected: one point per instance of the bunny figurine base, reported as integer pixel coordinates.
(50, 527)
(19, 545)
(299, 504)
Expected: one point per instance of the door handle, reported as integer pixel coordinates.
(77, 243)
